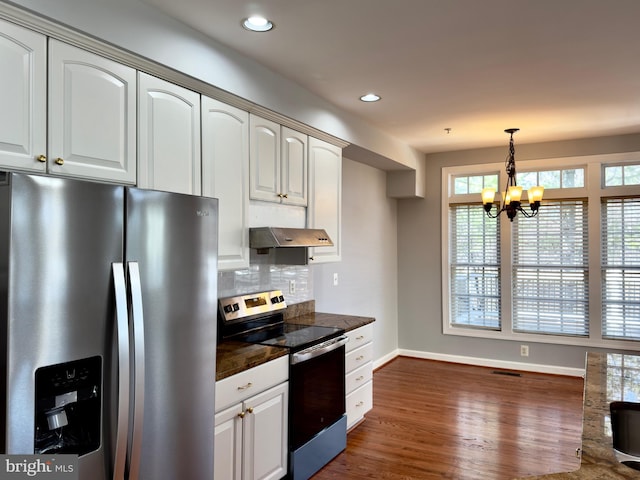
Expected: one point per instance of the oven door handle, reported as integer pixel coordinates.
(319, 349)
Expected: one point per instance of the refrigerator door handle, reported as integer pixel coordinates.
(122, 333)
(135, 289)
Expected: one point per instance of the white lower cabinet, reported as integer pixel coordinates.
(251, 432)
(359, 374)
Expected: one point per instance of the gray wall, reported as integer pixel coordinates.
(368, 272)
(419, 258)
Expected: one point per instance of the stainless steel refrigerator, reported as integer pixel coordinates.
(108, 327)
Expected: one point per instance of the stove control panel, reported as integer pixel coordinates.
(242, 306)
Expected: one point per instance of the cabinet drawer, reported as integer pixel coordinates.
(359, 402)
(358, 357)
(245, 384)
(358, 377)
(359, 337)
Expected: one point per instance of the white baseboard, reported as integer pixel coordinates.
(386, 359)
(483, 362)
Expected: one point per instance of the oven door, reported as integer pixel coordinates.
(317, 390)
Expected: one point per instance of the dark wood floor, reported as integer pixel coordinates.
(433, 420)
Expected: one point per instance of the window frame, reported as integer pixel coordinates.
(592, 192)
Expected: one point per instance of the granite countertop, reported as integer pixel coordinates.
(609, 377)
(234, 357)
(347, 322)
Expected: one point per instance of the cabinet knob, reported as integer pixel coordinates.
(243, 414)
(244, 387)
(311, 258)
(284, 195)
(59, 161)
(41, 158)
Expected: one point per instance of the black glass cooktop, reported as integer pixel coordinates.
(294, 336)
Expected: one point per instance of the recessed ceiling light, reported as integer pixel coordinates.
(257, 24)
(370, 97)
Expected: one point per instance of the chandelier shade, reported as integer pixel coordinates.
(512, 195)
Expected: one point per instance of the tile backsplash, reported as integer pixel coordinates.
(260, 277)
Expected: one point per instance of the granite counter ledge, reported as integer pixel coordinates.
(347, 322)
(609, 377)
(304, 314)
(234, 357)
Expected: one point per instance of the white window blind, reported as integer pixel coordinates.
(621, 268)
(475, 269)
(550, 270)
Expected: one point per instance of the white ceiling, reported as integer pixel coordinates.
(557, 69)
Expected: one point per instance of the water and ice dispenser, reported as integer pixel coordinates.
(68, 407)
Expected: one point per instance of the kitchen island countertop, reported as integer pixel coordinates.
(234, 357)
(609, 377)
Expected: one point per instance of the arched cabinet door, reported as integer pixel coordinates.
(225, 176)
(264, 160)
(325, 197)
(23, 96)
(92, 116)
(168, 137)
(294, 167)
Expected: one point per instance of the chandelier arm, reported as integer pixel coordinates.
(488, 212)
(531, 214)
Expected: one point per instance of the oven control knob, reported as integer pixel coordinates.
(228, 309)
(280, 299)
(274, 300)
(236, 307)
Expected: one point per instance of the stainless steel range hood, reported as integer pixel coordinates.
(288, 246)
(274, 237)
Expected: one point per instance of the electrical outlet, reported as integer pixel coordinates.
(335, 279)
(524, 350)
(292, 286)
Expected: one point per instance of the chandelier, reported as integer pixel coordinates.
(511, 203)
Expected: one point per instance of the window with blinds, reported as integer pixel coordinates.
(621, 268)
(550, 270)
(474, 268)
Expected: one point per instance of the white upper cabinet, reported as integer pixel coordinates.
(294, 174)
(92, 116)
(325, 197)
(264, 159)
(278, 163)
(23, 90)
(168, 137)
(225, 176)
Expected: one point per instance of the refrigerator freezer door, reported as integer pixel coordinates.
(173, 239)
(62, 237)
